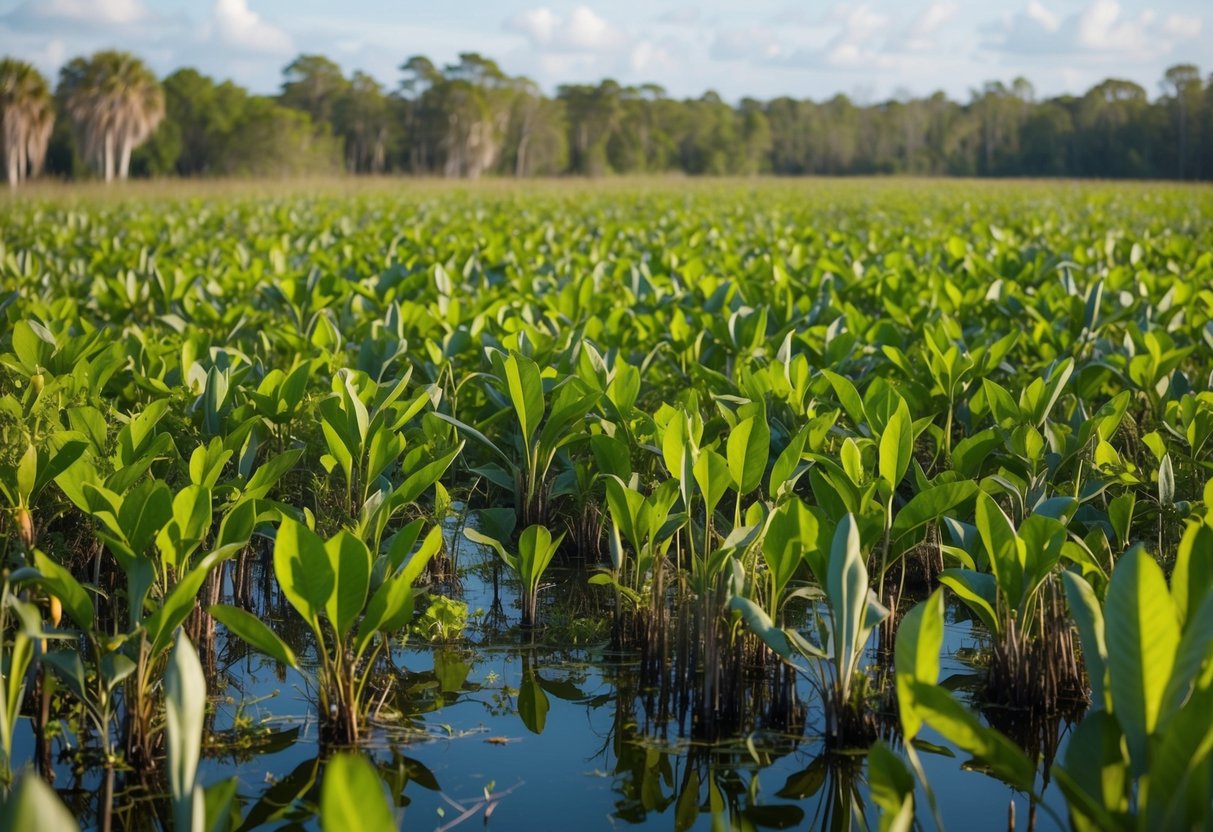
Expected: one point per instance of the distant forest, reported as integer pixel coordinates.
(108, 116)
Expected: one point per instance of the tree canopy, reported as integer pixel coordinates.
(470, 118)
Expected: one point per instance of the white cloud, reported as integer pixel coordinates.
(924, 32)
(582, 30)
(681, 16)
(1182, 26)
(1101, 28)
(79, 15)
(1039, 13)
(756, 43)
(860, 22)
(935, 17)
(234, 25)
(88, 11)
(1099, 31)
(859, 41)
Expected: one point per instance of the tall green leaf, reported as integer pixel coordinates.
(184, 712)
(303, 568)
(1143, 636)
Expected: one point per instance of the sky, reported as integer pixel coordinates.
(871, 50)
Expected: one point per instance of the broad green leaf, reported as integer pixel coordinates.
(143, 512)
(1084, 606)
(1180, 768)
(1193, 657)
(916, 656)
(760, 624)
(792, 530)
(712, 477)
(1002, 546)
(848, 397)
(475, 536)
(431, 545)
(979, 593)
(1193, 572)
(303, 569)
(749, 446)
(847, 590)
(350, 561)
(389, 610)
(536, 548)
(416, 483)
(251, 629)
(33, 805)
(59, 582)
(1095, 776)
(525, 388)
(931, 504)
(897, 445)
(961, 728)
(1142, 632)
(784, 470)
(268, 474)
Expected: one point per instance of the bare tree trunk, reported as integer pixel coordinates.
(380, 153)
(14, 173)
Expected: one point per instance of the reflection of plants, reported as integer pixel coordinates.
(352, 796)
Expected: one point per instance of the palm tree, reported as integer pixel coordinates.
(116, 103)
(26, 119)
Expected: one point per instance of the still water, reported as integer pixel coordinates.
(542, 733)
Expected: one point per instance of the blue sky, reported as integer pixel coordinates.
(871, 50)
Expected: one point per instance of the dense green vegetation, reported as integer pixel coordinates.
(769, 419)
(472, 119)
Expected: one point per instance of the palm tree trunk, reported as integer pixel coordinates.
(124, 165)
(22, 160)
(14, 173)
(107, 152)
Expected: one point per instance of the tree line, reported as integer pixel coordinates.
(110, 117)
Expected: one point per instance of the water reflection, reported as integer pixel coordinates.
(545, 733)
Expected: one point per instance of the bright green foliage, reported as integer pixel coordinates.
(352, 796)
(761, 414)
(536, 548)
(1143, 757)
(329, 583)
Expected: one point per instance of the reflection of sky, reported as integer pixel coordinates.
(562, 777)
